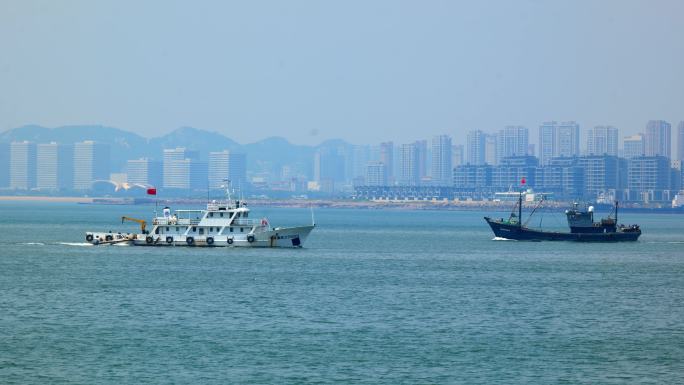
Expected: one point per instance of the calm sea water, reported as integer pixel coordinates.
(376, 297)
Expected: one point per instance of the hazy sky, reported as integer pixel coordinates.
(363, 71)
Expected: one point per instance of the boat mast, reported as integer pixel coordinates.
(520, 209)
(616, 212)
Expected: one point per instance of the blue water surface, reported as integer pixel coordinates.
(375, 297)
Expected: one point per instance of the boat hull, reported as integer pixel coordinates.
(285, 237)
(515, 232)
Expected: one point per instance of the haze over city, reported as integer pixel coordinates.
(364, 72)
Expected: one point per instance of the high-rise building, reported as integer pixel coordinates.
(558, 140)
(423, 158)
(602, 140)
(547, 135)
(657, 138)
(4, 165)
(182, 169)
(387, 158)
(601, 175)
(54, 166)
(512, 141)
(491, 154)
(457, 155)
(22, 165)
(144, 172)
(649, 178)
(376, 174)
(475, 147)
(633, 146)
(680, 141)
(91, 163)
(408, 165)
(227, 166)
(360, 156)
(442, 169)
(328, 166)
(567, 140)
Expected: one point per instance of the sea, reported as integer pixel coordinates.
(374, 297)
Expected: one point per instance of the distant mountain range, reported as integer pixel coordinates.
(266, 155)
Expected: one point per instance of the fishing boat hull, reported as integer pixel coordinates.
(513, 231)
(282, 237)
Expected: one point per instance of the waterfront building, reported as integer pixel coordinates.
(328, 167)
(558, 140)
(22, 165)
(649, 179)
(4, 165)
(442, 169)
(360, 156)
(562, 176)
(680, 141)
(144, 171)
(227, 165)
(602, 140)
(475, 147)
(567, 140)
(491, 154)
(387, 158)
(376, 174)
(408, 165)
(547, 133)
(601, 175)
(471, 176)
(512, 141)
(457, 155)
(512, 170)
(633, 146)
(182, 169)
(91, 163)
(657, 138)
(54, 166)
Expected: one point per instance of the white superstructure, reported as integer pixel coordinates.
(221, 224)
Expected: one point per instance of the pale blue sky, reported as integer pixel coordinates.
(363, 71)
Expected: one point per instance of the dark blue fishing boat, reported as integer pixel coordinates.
(581, 223)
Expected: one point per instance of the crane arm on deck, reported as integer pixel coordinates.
(142, 223)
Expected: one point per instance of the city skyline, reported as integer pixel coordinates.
(302, 73)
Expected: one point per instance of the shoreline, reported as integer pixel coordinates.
(335, 204)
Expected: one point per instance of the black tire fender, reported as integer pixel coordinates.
(169, 239)
(210, 241)
(149, 240)
(89, 237)
(190, 240)
(250, 238)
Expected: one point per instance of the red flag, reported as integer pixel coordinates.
(523, 180)
(152, 191)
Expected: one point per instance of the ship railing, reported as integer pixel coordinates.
(172, 221)
(246, 222)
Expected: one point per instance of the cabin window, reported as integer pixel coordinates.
(177, 229)
(238, 215)
(231, 229)
(167, 229)
(211, 215)
(156, 231)
(201, 230)
(242, 229)
(211, 229)
(244, 215)
(194, 229)
(221, 215)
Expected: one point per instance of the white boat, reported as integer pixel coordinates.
(225, 224)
